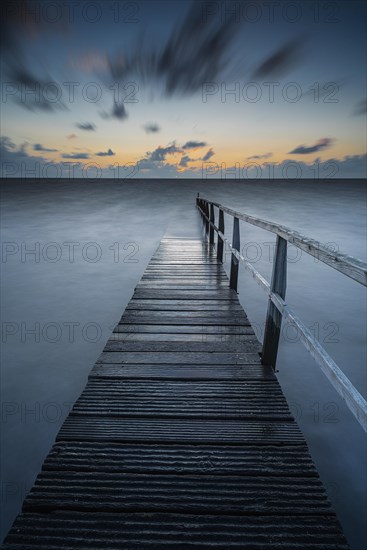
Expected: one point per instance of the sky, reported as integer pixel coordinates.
(180, 89)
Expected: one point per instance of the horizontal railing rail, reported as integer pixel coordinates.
(276, 290)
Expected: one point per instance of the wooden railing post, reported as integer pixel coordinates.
(233, 280)
(206, 210)
(220, 240)
(211, 228)
(274, 317)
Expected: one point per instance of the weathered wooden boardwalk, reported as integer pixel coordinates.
(181, 438)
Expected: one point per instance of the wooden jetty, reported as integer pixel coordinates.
(182, 438)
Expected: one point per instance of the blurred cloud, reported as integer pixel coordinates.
(39, 147)
(193, 144)
(87, 126)
(151, 128)
(30, 92)
(208, 155)
(197, 51)
(280, 61)
(6, 143)
(75, 156)
(118, 111)
(71, 136)
(21, 19)
(185, 160)
(263, 156)
(108, 153)
(323, 143)
(159, 154)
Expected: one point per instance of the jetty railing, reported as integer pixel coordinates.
(276, 290)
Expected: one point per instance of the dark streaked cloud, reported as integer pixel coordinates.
(21, 19)
(39, 147)
(263, 156)
(323, 143)
(32, 93)
(87, 126)
(75, 156)
(118, 111)
(108, 153)
(193, 144)
(208, 155)
(197, 51)
(280, 61)
(151, 128)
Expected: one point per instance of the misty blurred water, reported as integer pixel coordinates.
(71, 293)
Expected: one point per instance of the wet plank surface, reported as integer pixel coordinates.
(181, 438)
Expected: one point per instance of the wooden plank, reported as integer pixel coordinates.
(181, 459)
(91, 531)
(182, 318)
(175, 493)
(238, 389)
(228, 342)
(114, 405)
(192, 294)
(161, 284)
(248, 344)
(147, 430)
(175, 358)
(183, 305)
(201, 330)
(182, 372)
(221, 317)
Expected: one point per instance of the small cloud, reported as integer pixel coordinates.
(193, 144)
(159, 154)
(87, 126)
(75, 156)
(7, 143)
(151, 128)
(264, 156)
(39, 147)
(71, 136)
(208, 155)
(185, 160)
(361, 108)
(323, 143)
(119, 111)
(108, 153)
